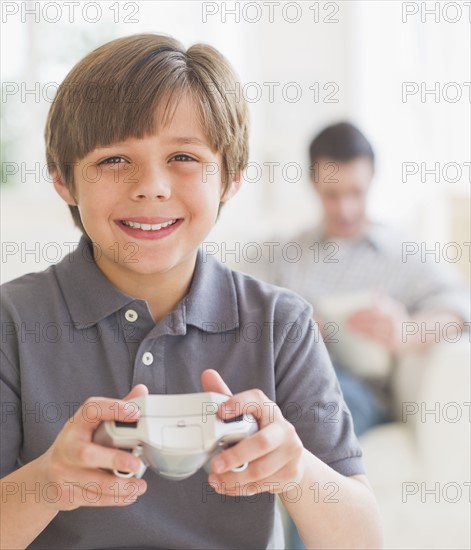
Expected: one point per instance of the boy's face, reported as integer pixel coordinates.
(126, 191)
(342, 188)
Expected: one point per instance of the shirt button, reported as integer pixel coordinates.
(130, 315)
(147, 358)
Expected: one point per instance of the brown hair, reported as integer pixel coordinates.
(114, 92)
(342, 142)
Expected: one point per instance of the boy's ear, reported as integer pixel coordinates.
(234, 187)
(62, 189)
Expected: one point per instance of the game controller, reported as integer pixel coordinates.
(176, 435)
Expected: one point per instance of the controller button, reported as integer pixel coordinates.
(235, 419)
(131, 316)
(241, 468)
(147, 358)
(119, 424)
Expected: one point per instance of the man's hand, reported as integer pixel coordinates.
(383, 323)
(274, 453)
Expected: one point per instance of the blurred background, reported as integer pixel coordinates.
(397, 71)
(400, 71)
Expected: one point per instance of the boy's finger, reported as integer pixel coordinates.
(260, 474)
(253, 448)
(92, 455)
(253, 402)
(212, 381)
(98, 409)
(101, 488)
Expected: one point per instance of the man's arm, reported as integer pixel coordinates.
(421, 331)
(389, 323)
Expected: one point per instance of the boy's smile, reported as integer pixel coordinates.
(149, 228)
(148, 203)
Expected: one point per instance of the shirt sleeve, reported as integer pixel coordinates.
(310, 397)
(435, 287)
(11, 422)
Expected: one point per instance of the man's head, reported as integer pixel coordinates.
(342, 167)
(129, 88)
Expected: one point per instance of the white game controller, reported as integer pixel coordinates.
(176, 434)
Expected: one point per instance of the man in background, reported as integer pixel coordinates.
(372, 302)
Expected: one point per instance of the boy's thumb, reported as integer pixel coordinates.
(212, 381)
(138, 391)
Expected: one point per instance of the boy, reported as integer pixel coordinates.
(144, 146)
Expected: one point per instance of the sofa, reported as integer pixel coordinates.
(420, 464)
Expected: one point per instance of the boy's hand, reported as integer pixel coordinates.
(274, 453)
(73, 467)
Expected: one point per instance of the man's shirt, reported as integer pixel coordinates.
(340, 276)
(379, 260)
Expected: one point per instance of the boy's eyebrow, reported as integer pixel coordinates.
(189, 141)
(177, 140)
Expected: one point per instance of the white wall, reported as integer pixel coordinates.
(367, 54)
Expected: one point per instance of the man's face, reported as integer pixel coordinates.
(342, 188)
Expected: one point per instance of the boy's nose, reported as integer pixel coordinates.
(151, 184)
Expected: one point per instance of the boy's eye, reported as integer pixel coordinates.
(113, 160)
(183, 158)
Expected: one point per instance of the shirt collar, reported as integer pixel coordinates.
(211, 303)
(89, 295)
(373, 235)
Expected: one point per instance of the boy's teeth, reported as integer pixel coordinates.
(149, 226)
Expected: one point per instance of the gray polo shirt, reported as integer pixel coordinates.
(68, 334)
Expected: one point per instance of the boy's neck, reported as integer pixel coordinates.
(162, 291)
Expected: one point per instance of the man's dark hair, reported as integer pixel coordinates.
(342, 142)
